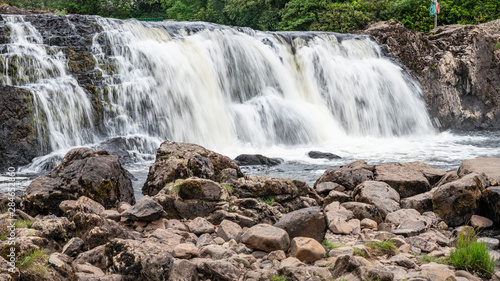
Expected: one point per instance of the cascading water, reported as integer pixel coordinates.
(213, 85)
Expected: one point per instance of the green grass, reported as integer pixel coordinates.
(331, 245)
(269, 200)
(23, 223)
(472, 256)
(428, 259)
(34, 263)
(497, 46)
(3, 236)
(277, 278)
(229, 188)
(382, 248)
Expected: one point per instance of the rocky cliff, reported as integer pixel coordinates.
(458, 67)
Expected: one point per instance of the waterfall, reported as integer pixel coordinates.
(209, 84)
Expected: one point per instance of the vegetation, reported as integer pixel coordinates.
(427, 259)
(331, 245)
(321, 15)
(472, 256)
(277, 278)
(269, 200)
(377, 248)
(23, 223)
(229, 188)
(34, 263)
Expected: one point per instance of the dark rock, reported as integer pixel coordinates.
(82, 172)
(95, 230)
(457, 201)
(322, 155)
(408, 179)
(184, 160)
(489, 166)
(349, 175)
(19, 142)
(490, 203)
(380, 194)
(345, 264)
(146, 209)
(308, 222)
(457, 60)
(73, 247)
(139, 260)
(55, 228)
(256, 159)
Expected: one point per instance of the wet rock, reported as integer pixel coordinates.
(308, 222)
(256, 159)
(480, 222)
(322, 155)
(349, 175)
(306, 249)
(200, 225)
(408, 179)
(19, 143)
(489, 166)
(379, 194)
(73, 247)
(229, 230)
(149, 261)
(146, 209)
(266, 238)
(457, 201)
(184, 160)
(82, 172)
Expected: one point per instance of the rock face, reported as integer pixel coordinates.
(457, 201)
(184, 160)
(83, 171)
(457, 66)
(18, 137)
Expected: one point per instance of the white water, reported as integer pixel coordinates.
(234, 91)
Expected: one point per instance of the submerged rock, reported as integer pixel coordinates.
(322, 155)
(83, 171)
(256, 159)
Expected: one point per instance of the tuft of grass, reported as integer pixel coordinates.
(3, 236)
(34, 263)
(269, 200)
(277, 278)
(497, 46)
(331, 245)
(472, 256)
(377, 248)
(229, 188)
(23, 223)
(359, 252)
(428, 259)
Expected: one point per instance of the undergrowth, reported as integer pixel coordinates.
(472, 256)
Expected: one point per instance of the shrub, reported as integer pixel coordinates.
(472, 256)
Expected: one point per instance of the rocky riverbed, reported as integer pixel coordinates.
(202, 219)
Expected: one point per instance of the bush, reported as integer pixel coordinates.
(472, 256)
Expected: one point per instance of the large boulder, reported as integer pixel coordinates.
(256, 159)
(457, 201)
(491, 203)
(306, 249)
(83, 171)
(408, 179)
(349, 175)
(146, 209)
(308, 222)
(266, 238)
(139, 260)
(256, 186)
(380, 194)
(175, 160)
(489, 166)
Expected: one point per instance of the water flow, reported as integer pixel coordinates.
(214, 85)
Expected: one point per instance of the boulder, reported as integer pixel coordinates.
(73, 247)
(480, 222)
(490, 203)
(266, 238)
(146, 209)
(408, 179)
(229, 230)
(82, 172)
(87, 205)
(201, 189)
(457, 201)
(362, 211)
(138, 260)
(256, 159)
(379, 194)
(200, 225)
(322, 155)
(421, 202)
(58, 229)
(185, 251)
(95, 230)
(349, 176)
(489, 166)
(308, 222)
(219, 270)
(175, 160)
(261, 187)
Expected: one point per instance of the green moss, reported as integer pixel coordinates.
(190, 189)
(497, 46)
(269, 200)
(277, 278)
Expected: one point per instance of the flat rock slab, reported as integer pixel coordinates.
(489, 166)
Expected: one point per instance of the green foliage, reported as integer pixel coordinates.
(23, 223)
(497, 46)
(3, 236)
(34, 263)
(301, 14)
(331, 245)
(277, 278)
(382, 248)
(268, 200)
(229, 188)
(427, 259)
(472, 256)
